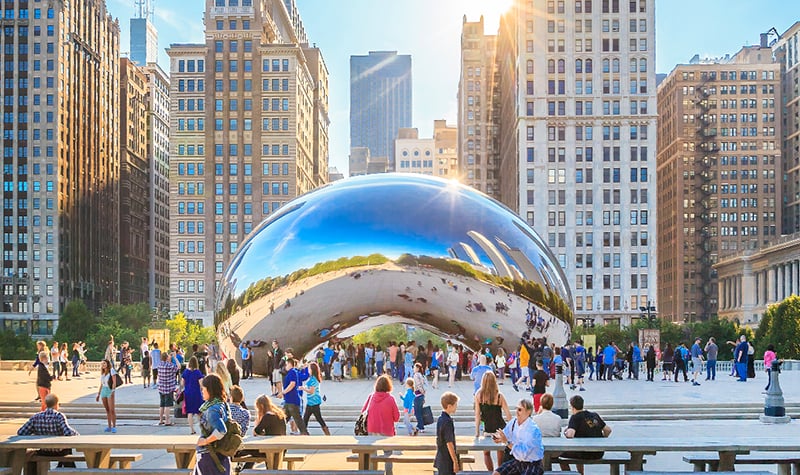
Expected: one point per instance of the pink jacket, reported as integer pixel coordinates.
(769, 357)
(382, 415)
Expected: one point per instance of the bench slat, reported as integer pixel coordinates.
(109, 471)
(648, 472)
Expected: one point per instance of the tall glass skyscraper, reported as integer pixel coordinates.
(380, 101)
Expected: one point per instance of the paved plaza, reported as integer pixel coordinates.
(18, 387)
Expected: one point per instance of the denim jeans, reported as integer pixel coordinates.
(711, 369)
(419, 401)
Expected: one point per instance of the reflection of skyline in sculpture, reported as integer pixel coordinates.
(422, 250)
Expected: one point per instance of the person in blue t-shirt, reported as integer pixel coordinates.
(697, 360)
(609, 356)
(477, 373)
(327, 357)
(291, 397)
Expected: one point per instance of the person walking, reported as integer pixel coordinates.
(108, 385)
(697, 361)
(44, 380)
(680, 363)
(740, 358)
(477, 373)
(452, 366)
(436, 357)
(712, 350)
(500, 364)
(76, 360)
(63, 357)
(579, 359)
(247, 360)
(192, 394)
(650, 361)
(667, 362)
(166, 385)
(214, 414)
(383, 413)
(419, 396)
(769, 357)
(609, 357)
(233, 370)
(491, 413)
(291, 396)
(314, 398)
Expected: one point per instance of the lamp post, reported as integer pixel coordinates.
(649, 314)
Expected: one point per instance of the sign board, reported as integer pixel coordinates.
(160, 336)
(649, 336)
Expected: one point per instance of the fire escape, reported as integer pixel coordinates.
(704, 164)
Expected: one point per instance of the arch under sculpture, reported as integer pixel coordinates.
(391, 248)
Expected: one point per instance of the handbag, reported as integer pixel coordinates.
(117, 381)
(427, 415)
(361, 423)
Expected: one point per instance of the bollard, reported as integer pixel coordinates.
(774, 408)
(560, 405)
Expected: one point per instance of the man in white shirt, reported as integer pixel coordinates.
(548, 421)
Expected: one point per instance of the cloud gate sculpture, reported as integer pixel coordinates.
(391, 248)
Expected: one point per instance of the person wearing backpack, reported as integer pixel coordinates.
(221, 435)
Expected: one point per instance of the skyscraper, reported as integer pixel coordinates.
(477, 87)
(248, 133)
(144, 36)
(719, 173)
(61, 161)
(576, 127)
(380, 101)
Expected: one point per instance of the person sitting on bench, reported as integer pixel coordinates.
(583, 423)
(50, 422)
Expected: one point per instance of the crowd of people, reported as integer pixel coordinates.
(206, 390)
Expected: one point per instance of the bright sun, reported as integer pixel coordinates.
(490, 9)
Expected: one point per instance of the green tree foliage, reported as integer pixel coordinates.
(781, 327)
(184, 333)
(382, 335)
(16, 347)
(75, 323)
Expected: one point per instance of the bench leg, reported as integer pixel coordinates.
(125, 464)
(14, 458)
(613, 469)
(727, 458)
(784, 469)
(699, 466)
(185, 459)
(636, 463)
(100, 458)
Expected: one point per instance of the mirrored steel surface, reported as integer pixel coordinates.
(388, 248)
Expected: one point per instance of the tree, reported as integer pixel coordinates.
(781, 327)
(184, 333)
(16, 347)
(382, 335)
(75, 323)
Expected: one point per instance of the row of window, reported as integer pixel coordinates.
(609, 239)
(729, 75)
(191, 286)
(607, 305)
(559, 218)
(192, 305)
(24, 13)
(191, 266)
(22, 272)
(586, 45)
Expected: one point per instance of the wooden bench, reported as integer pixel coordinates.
(656, 472)
(40, 464)
(484, 472)
(612, 459)
(315, 472)
(290, 459)
(114, 471)
(414, 457)
(710, 462)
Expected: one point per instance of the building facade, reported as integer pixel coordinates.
(144, 36)
(718, 156)
(248, 126)
(134, 222)
(60, 162)
(786, 52)
(158, 164)
(577, 133)
(752, 280)
(435, 156)
(478, 147)
(380, 101)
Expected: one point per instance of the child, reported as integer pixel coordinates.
(146, 369)
(337, 370)
(446, 457)
(408, 406)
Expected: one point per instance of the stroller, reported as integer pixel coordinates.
(619, 368)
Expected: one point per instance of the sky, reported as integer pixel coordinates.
(430, 31)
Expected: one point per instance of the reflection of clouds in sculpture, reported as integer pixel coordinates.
(415, 248)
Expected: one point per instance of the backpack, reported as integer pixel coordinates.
(229, 444)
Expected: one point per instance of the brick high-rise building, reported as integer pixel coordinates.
(60, 162)
(719, 173)
(248, 132)
(577, 138)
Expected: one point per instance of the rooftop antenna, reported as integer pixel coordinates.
(144, 9)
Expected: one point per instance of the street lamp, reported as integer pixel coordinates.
(648, 313)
